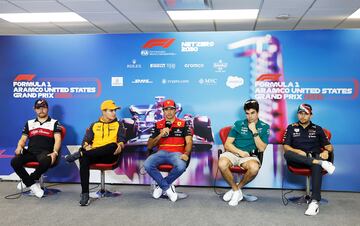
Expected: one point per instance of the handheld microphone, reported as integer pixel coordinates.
(168, 124)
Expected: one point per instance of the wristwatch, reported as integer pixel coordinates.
(255, 134)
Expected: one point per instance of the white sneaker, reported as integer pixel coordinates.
(313, 208)
(236, 198)
(172, 194)
(36, 189)
(157, 192)
(328, 166)
(227, 196)
(21, 186)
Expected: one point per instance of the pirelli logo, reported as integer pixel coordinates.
(163, 42)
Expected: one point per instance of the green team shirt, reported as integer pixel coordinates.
(244, 139)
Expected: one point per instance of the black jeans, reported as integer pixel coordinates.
(296, 160)
(18, 164)
(103, 154)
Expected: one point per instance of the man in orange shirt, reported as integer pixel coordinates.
(102, 143)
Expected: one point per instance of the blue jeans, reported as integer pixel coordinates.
(164, 157)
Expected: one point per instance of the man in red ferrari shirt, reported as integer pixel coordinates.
(173, 139)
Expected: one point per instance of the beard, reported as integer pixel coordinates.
(42, 115)
(303, 123)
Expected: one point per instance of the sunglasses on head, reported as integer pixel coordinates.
(250, 101)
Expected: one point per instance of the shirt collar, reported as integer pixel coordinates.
(308, 126)
(247, 122)
(102, 120)
(47, 120)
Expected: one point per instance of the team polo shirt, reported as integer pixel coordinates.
(309, 139)
(244, 139)
(175, 142)
(101, 133)
(41, 135)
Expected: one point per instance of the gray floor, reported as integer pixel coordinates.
(203, 207)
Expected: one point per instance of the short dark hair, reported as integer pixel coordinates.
(251, 104)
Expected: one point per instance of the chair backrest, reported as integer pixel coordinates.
(327, 133)
(331, 154)
(224, 132)
(63, 132)
(307, 171)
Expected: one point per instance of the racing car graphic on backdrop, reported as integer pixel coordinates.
(144, 117)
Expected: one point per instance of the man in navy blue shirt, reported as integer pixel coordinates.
(306, 145)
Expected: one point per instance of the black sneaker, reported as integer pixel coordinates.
(74, 156)
(84, 200)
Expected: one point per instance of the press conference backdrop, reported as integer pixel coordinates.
(209, 75)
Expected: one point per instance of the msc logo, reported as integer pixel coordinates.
(207, 81)
(163, 42)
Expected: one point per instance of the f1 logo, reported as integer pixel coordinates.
(24, 77)
(164, 42)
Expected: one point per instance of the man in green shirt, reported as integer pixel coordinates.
(246, 138)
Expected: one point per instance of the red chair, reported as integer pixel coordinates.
(307, 172)
(34, 165)
(224, 132)
(166, 168)
(103, 167)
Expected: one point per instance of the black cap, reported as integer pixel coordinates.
(41, 103)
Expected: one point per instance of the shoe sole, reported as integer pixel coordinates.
(37, 195)
(239, 200)
(86, 204)
(173, 200)
(308, 214)
(156, 197)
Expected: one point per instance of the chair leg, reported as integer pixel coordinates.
(303, 198)
(102, 179)
(103, 192)
(41, 182)
(307, 197)
(47, 191)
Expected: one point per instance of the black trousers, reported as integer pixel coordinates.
(18, 164)
(296, 160)
(103, 154)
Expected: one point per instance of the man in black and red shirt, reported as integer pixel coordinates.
(44, 135)
(306, 145)
(173, 137)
